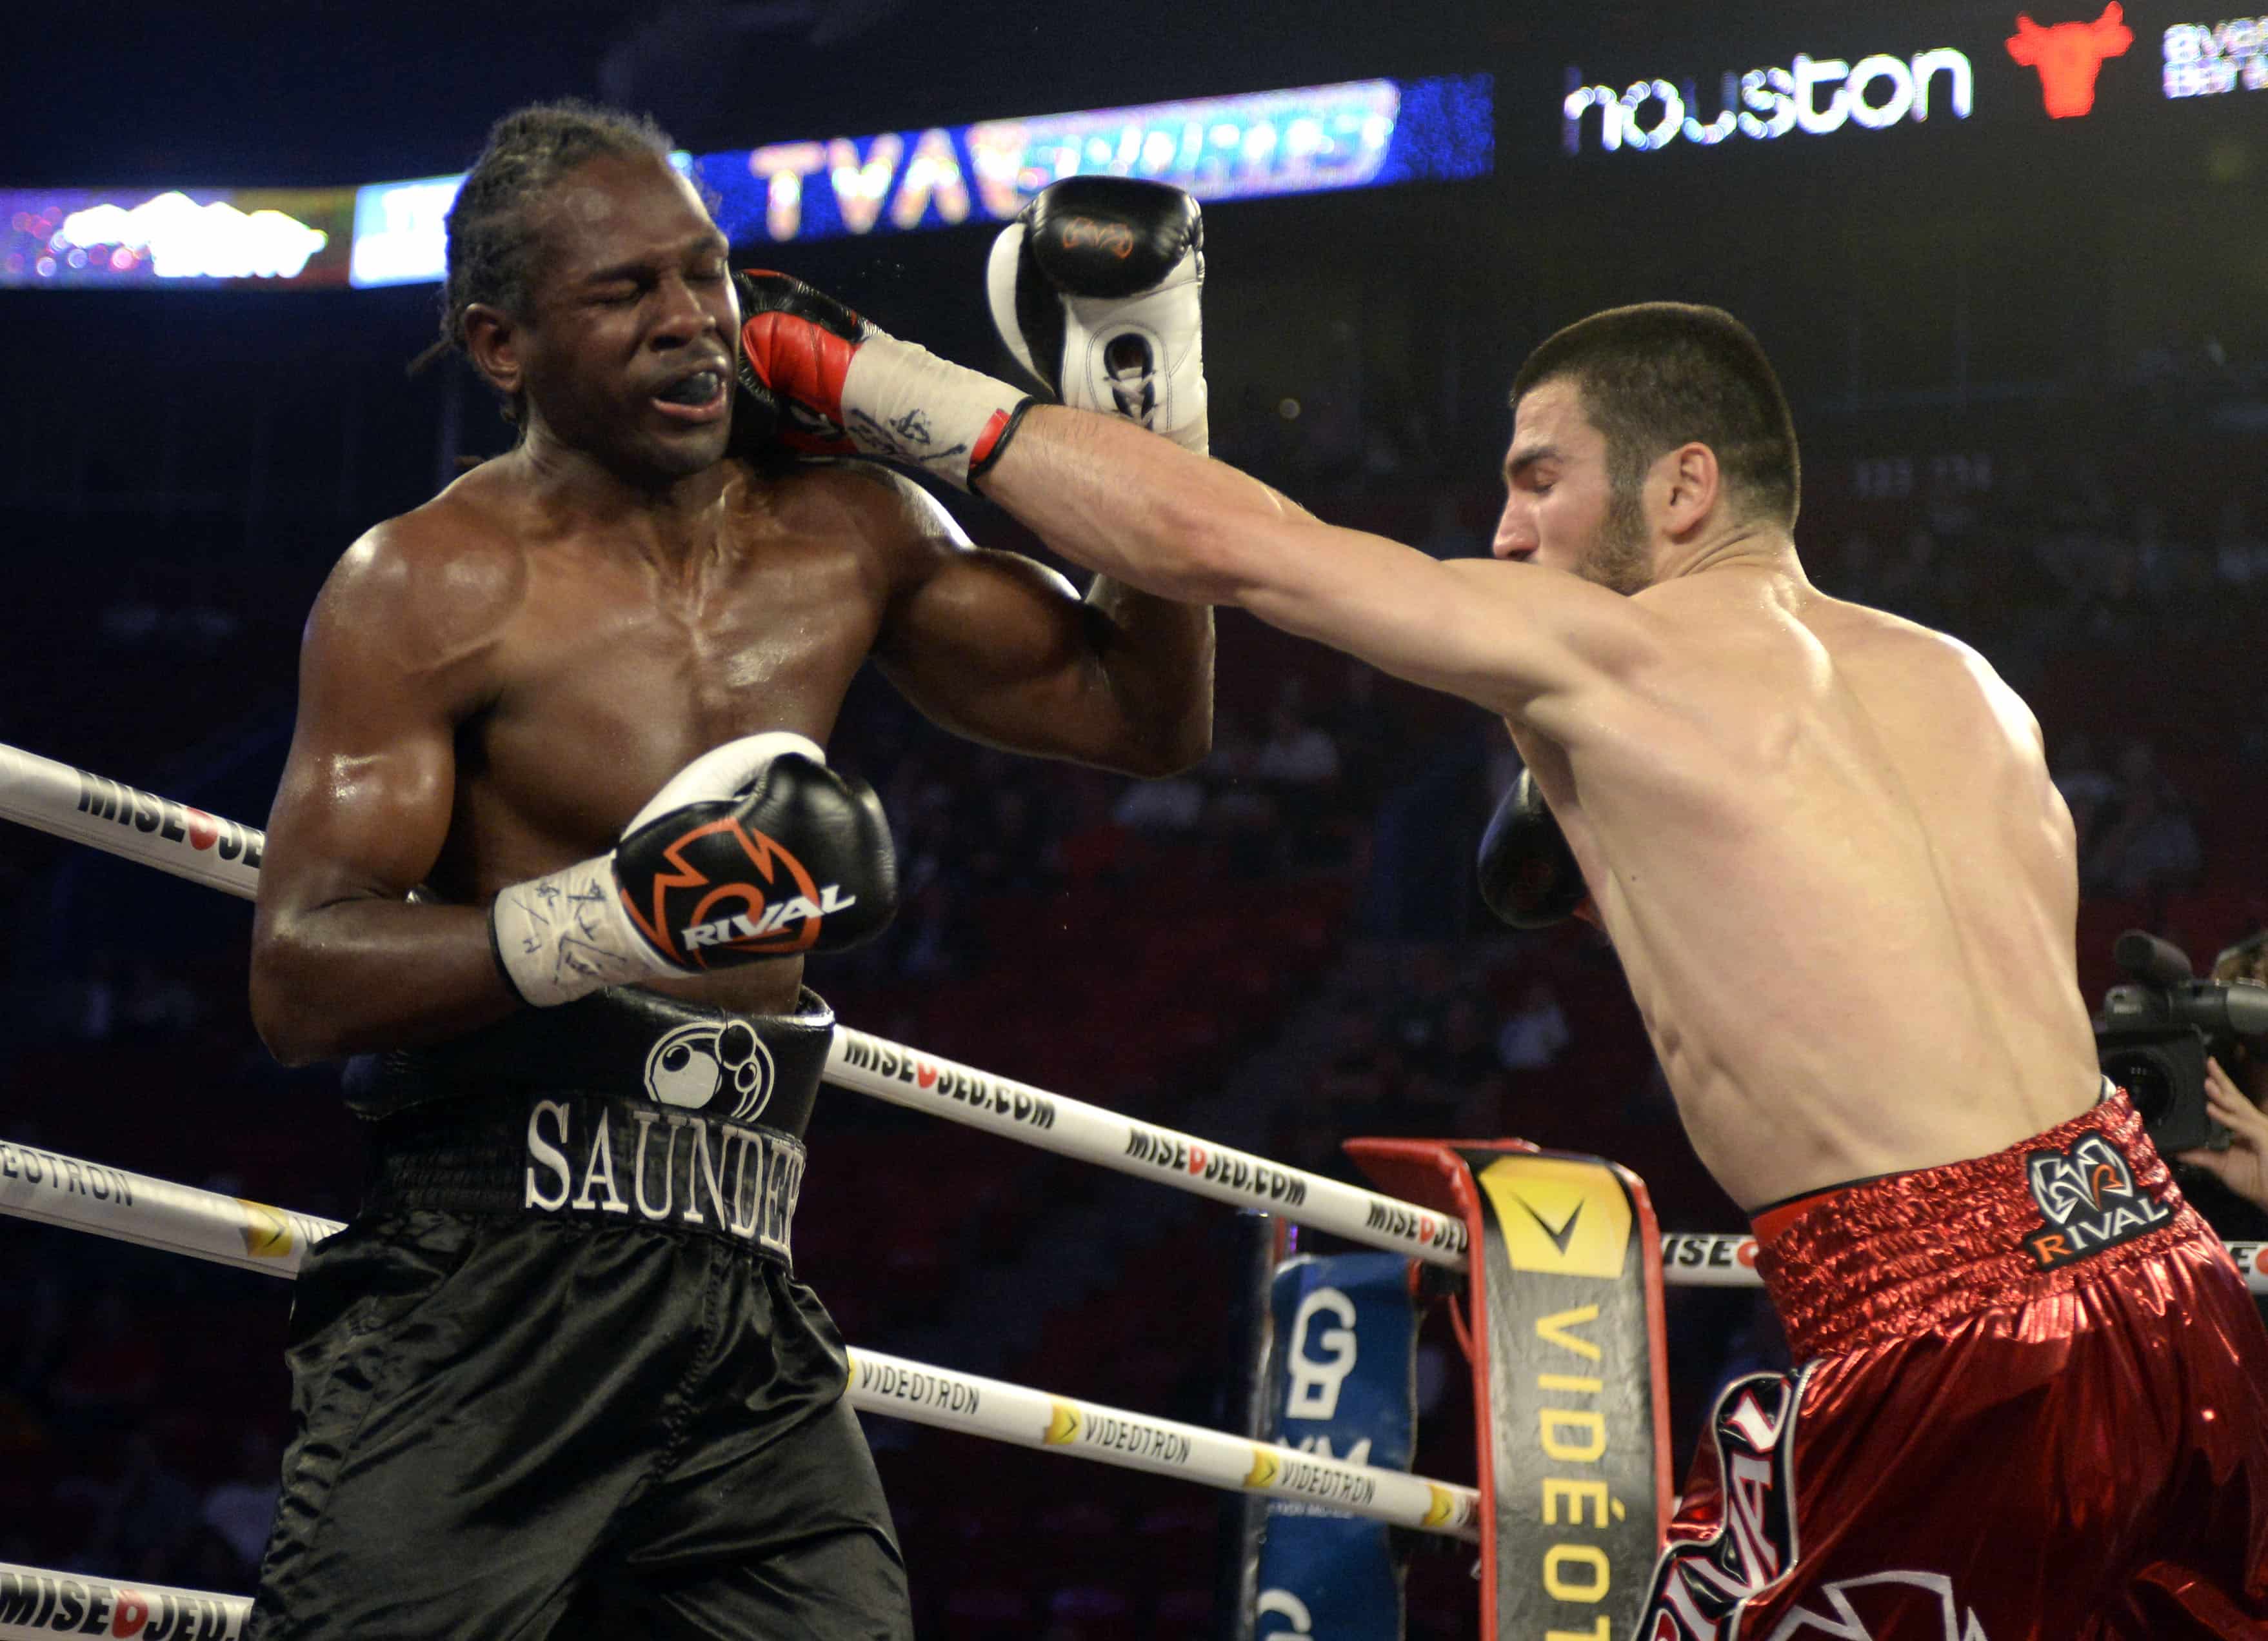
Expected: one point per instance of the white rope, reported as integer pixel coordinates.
(77, 804)
(85, 808)
(1071, 1128)
(91, 809)
(57, 1189)
(1706, 1259)
(34, 1602)
(1084, 1429)
(60, 1190)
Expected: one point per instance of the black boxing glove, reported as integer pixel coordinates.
(756, 850)
(1528, 875)
(1095, 288)
(835, 384)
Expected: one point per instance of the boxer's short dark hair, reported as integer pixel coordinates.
(1661, 374)
(492, 232)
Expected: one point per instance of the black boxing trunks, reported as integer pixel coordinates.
(2031, 1400)
(558, 1377)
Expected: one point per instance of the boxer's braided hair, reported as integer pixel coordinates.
(492, 235)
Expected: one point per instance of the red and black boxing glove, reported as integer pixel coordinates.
(774, 419)
(833, 383)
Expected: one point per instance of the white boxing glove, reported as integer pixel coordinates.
(1096, 289)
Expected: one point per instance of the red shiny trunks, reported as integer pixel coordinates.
(2032, 1402)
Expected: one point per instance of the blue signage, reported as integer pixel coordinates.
(1346, 1331)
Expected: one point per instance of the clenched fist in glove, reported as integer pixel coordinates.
(1095, 289)
(754, 851)
(837, 386)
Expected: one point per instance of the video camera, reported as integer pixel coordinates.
(2154, 1034)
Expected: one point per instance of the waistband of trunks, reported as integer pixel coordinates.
(1910, 1252)
(623, 1042)
(595, 1159)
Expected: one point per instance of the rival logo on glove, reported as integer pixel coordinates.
(1114, 239)
(723, 896)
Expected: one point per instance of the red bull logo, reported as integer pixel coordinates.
(2069, 55)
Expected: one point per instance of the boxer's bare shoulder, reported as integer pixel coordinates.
(421, 595)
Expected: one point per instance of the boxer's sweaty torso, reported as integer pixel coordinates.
(1825, 845)
(593, 668)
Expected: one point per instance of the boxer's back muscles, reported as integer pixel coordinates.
(492, 685)
(1825, 845)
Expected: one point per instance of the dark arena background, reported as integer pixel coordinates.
(2024, 318)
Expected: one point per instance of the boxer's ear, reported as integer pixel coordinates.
(492, 344)
(1687, 484)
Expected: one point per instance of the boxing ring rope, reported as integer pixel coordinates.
(188, 843)
(88, 808)
(62, 1190)
(34, 1602)
(85, 808)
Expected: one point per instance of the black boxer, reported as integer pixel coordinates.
(561, 730)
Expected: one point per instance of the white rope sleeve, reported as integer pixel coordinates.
(34, 1602)
(121, 819)
(1071, 1128)
(1134, 1441)
(48, 1186)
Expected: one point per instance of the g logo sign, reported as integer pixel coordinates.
(1316, 1384)
(1284, 1605)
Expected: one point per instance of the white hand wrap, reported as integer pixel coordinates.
(903, 403)
(565, 934)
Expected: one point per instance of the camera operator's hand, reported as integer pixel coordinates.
(2243, 1166)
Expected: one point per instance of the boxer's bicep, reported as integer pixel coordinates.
(394, 660)
(985, 640)
(369, 786)
(1514, 638)
(1003, 649)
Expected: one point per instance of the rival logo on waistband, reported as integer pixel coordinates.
(2088, 1193)
(747, 1188)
